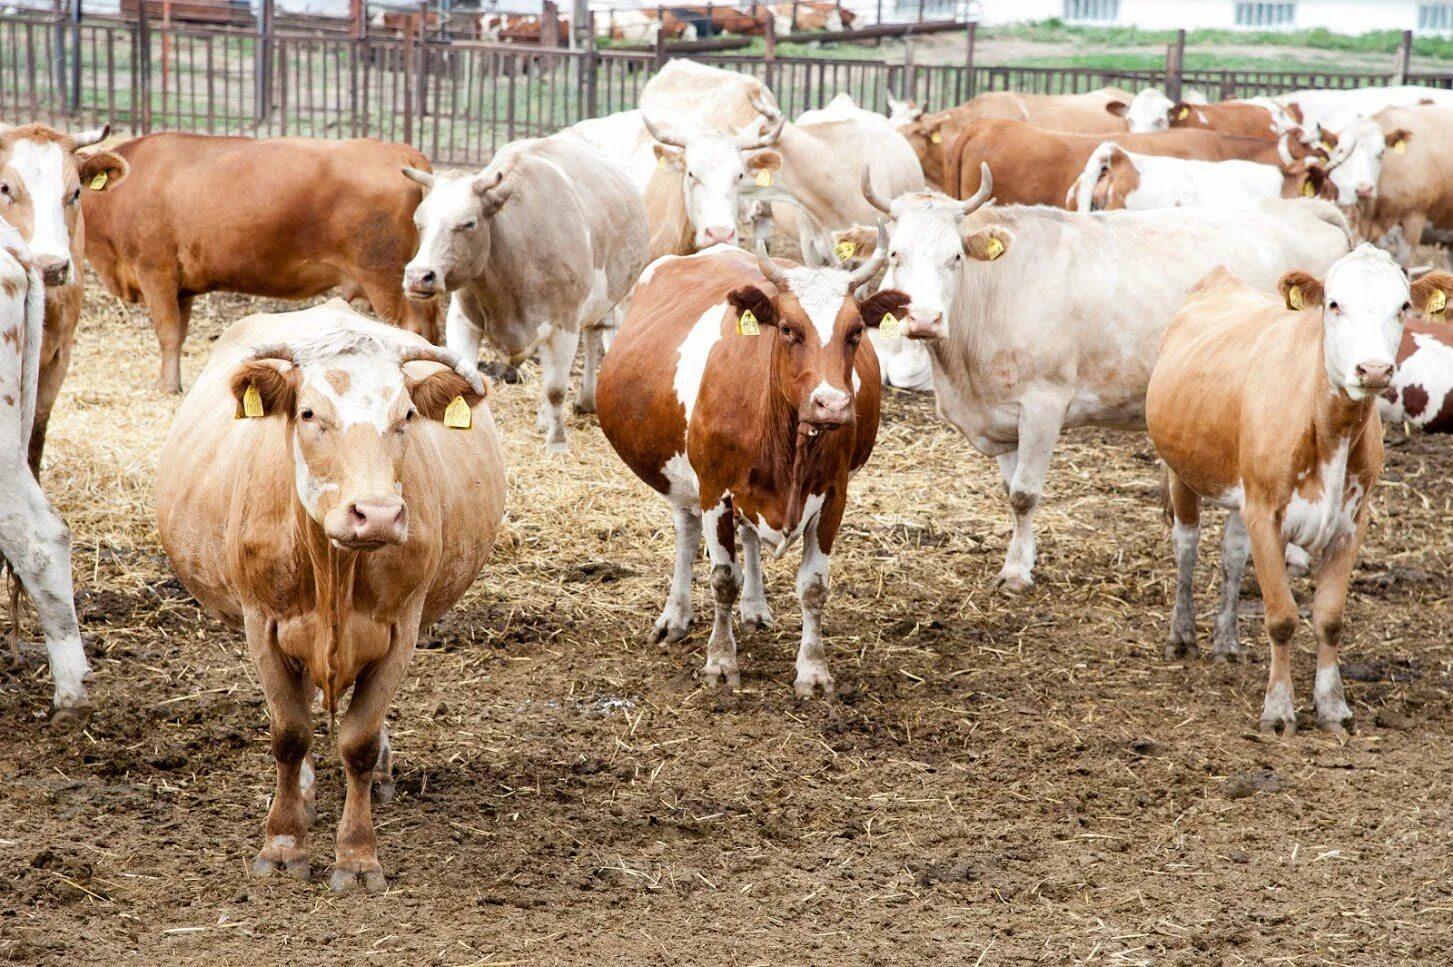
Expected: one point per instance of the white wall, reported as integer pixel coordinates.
(1340, 16)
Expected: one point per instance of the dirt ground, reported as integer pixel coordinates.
(1000, 781)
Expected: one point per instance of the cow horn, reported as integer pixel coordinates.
(870, 268)
(448, 357)
(1284, 152)
(662, 134)
(87, 138)
(769, 135)
(275, 350)
(986, 185)
(872, 196)
(769, 268)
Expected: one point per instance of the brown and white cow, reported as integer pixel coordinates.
(1397, 172)
(282, 218)
(1317, 357)
(330, 488)
(42, 183)
(34, 541)
(933, 135)
(1039, 320)
(1153, 111)
(537, 248)
(1421, 394)
(742, 391)
(1115, 177)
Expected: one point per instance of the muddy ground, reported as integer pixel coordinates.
(1000, 781)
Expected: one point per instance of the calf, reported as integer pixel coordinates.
(739, 391)
(33, 539)
(1421, 394)
(1117, 178)
(42, 183)
(1317, 358)
(329, 488)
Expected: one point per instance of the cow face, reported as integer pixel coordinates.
(714, 167)
(1355, 166)
(1364, 301)
(453, 224)
(351, 411)
(1149, 111)
(41, 180)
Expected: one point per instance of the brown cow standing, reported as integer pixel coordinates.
(738, 389)
(1265, 405)
(282, 218)
(42, 180)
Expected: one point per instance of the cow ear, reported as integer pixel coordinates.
(1430, 293)
(1117, 108)
(1314, 180)
(1301, 291)
(103, 169)
(751, 299)
(764, 161)
(268, 384)
(1328, 139)
(987, 244)
(879, 304)
(857, 242)
(669, 157)
(1397, 140)
(432, 394)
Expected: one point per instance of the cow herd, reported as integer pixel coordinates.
(1236, 278)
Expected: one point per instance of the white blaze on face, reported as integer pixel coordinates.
(1356, 164)
(1364, 305)
(42, 169)
(713, 177)
(925, 255)
(1149, 111)
(449, 220)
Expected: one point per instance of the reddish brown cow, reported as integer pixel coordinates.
(1421, 394)
(282, 218)
(1228, 117)
(741, 391)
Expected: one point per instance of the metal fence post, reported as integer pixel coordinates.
(910, 80)
(421, 70)
(58, 57)
(1175, 58)
(410, 26)
(971, 86)
(769, 50)
(75, 56)
(1403, 59)
(660, 53)
(591, 66)
(262, 61)
(143, 68)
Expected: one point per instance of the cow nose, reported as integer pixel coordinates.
(54, 270)
(923, 325)
(377, 522)
(1364, 191)
(421, 282)
(720, 235)
(829, 407)
(1375, 376)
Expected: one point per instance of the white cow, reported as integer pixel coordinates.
(1037, 319)
(1335, 109)
(33, 539)
(1117, 178)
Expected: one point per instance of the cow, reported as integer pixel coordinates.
(1317, 357)
(1421, 394)
(42, 182)
(1356, 156)
(207, 213)
(739, 391)
(537, 248)
(1035, 167)
(1393, 171)
(34, 541)
(933, 135)
(1318, 109)
(643, 26)
(1029, 332)
(1114, 177)
(810, 15)
(1153, 111)
(331, 485)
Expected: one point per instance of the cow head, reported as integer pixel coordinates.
(351, 410)
(715, 166)
(902, 113)
(1364, 301)
(453, 224)
(816, 324)
(1150, 110)
(41, 180)
(1355, 165)
(1110, 175)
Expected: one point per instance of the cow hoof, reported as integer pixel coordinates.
(349, 877)
(68, 718)
(752, 623)
(810, 680)
(666, 632)
(1226, 649)
(719, 671)
(584, 406)
(1178, 648)
(1286, 725)
(293, 863)
(1336, 727)
(1010, 582)
(557, 447)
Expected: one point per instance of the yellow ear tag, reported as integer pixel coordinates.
(890, 326)
(1184, 113)
(252, 403)
(747, 324)
(764, 179)
(1307, 189)
(1437, 302)
(99, 182)
(993, 248)
(936, 137)
(1294, 298)
(1399, 146)
(661, 162)
(845, 250)
(457, 415)
(1328, 146)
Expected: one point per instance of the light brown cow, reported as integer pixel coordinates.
(282, 218)
(1410, 165)
(329, 488)
(1153, 111)
(1316, 357)
(42, 181)
(1036, 167)
(739, 391)
(933, 135)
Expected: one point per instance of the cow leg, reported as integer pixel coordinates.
(557, 353)
(812, 587)
(383, 769)
(726, 584)
(1185, 508)
(1235, 545)
(594, 352)
(1330, 599)
(1268, 554)
(170, 322)
(1024, 472)
(676, 616)
(756, 615)
(289, 695)
(36, 543)
(461, 333)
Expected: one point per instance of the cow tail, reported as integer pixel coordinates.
(1167, 507)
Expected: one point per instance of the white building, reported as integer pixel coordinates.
(1340, 16)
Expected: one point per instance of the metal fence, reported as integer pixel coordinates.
(459, 100)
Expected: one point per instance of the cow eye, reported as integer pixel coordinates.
(305, 414)
(468, 226)
(1333, 306)
(5, 192)
(786, 331)
(76, 195)
(1407, 306)
(855, 337)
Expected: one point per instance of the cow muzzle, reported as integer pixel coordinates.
(827, 411)
(923, 325)
(718, 235)
(367, 525)
(1375, 376)
(422, 283)
(55, 270)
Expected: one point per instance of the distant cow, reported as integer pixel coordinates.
(33, 539)
(1115, 177)
(281, 218)
(1030, 333)
(1316, 358)
(42, 182)
(537, 248)
(1396, 170)
(739, 391)
(1421, 394)
(329, 488)
(1320, 109)
(1153, 111)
